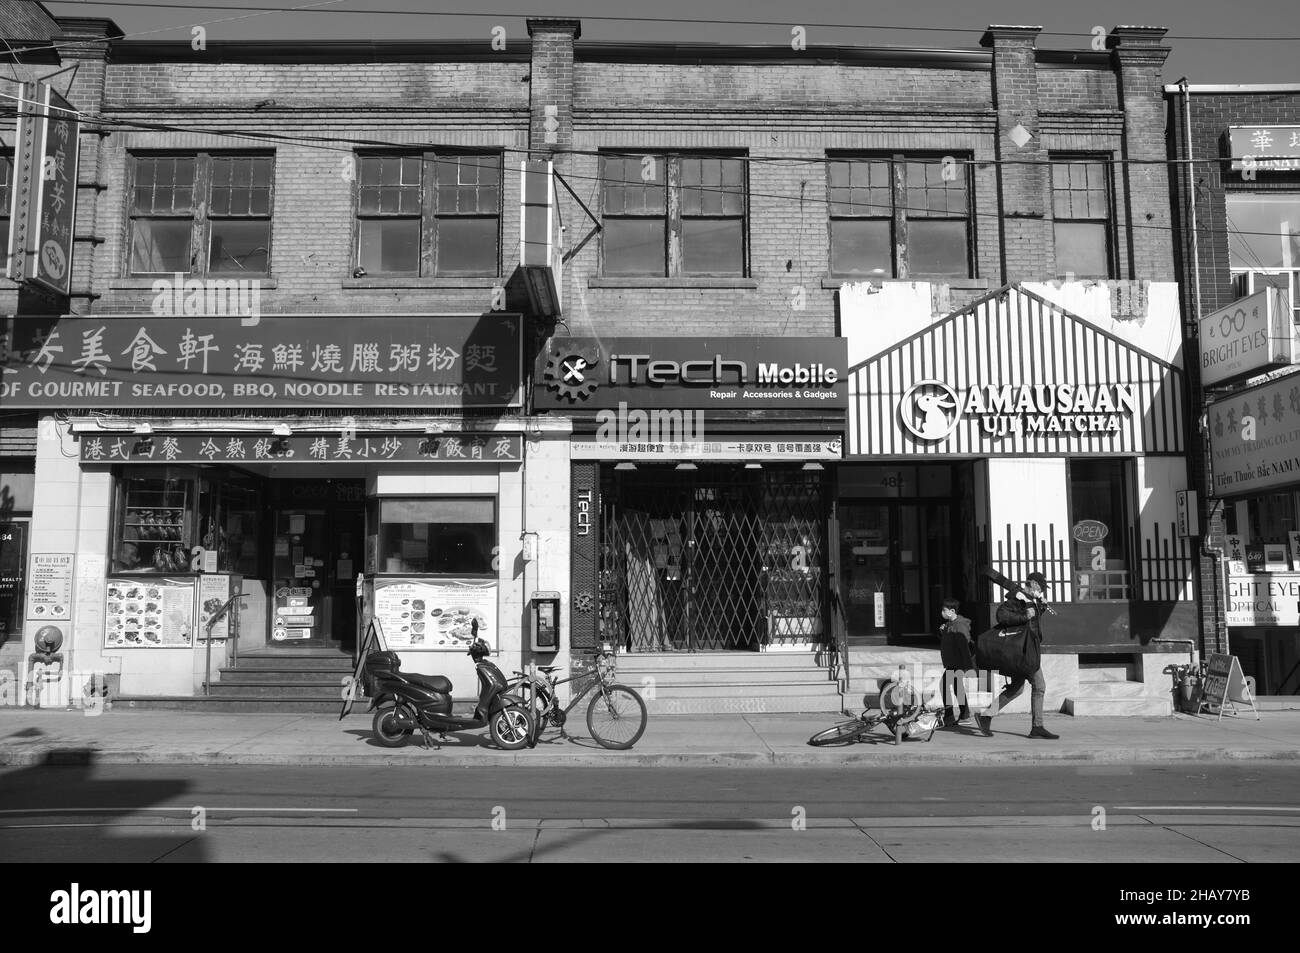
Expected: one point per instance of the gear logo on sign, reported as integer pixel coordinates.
(571, 374)
(930, 409)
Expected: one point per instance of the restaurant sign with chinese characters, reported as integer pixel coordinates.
(302, 448)
(1268, 148)
(326, 360)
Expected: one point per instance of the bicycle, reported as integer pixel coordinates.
(902, 711)
(616, 716)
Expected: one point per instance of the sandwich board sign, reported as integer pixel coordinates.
(1226, 685)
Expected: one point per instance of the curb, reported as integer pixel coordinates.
(29, 757)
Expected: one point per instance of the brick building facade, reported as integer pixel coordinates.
(1237, 238)
(755, 204)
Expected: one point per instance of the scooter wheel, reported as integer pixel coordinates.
(511, 728)
(387, 731)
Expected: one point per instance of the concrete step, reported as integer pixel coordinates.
(717, 676)
(1111, 689)
(754, 704)
(325, 663)
(1118, 707)
(244, 689)
(741, 690)
(686, 661)
(253, 676)
(1105, 673)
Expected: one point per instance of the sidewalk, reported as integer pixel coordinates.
(36, 736)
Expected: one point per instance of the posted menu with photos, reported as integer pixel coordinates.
(436, 615)
(158, 613)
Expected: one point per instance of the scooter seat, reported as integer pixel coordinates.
(435, 683)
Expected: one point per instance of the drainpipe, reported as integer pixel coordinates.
(1214, 552)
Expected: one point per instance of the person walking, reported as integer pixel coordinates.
(1024, 609)
(955, 650)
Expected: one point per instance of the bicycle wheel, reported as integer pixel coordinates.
(842, 733)
(616, 717)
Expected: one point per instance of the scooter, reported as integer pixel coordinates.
(404, 701)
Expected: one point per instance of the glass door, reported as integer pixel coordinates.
(866, 567)
(925, 562)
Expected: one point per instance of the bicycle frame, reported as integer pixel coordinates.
(549, 684)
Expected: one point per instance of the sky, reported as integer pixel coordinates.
(1213, 41)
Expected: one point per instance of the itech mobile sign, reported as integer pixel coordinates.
(1247, 338)
(773, 373)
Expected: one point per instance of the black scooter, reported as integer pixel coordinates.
(404, 702)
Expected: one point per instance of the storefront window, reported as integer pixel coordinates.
(1099, 531)
(155, 523)
(1269, 517)
(444, 535)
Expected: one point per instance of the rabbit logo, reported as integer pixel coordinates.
(930, 409)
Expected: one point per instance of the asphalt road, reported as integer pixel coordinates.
(1192, 813)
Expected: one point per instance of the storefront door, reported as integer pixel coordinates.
(712, 559)
(896, 567)
(317, 553)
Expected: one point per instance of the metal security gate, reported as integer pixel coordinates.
(711, 559)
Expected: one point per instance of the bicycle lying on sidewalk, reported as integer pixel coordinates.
(616, 716)
(902, 711)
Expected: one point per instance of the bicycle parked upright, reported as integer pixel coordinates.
(616, 716)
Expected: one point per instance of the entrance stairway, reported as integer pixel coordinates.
(304, 680)
(870, 666)
(715, 683)
(1110, 689)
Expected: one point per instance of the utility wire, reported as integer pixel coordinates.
(689, 21)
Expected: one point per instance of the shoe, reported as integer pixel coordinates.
(985, 725)
(964, 716)
(1038, 731)
(949, 722)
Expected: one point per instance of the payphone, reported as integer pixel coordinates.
(544, 621)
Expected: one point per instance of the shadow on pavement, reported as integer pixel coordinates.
(60, 812)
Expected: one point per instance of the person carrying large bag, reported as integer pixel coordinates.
(1014, 648)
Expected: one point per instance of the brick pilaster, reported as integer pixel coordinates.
(551, 85)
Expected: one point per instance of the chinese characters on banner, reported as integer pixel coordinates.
(380, 360)
(302, 448)
(43, 204)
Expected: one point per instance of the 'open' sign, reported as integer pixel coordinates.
(1090, 531)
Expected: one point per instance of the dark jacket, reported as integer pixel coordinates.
(955, 645)
(1012, 615)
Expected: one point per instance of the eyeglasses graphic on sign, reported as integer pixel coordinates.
(930, 409)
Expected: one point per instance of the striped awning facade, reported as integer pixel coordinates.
(1015, 339)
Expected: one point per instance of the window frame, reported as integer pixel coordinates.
(1107, 163)
(375, 518)
(900, 213)
(428, 215)
(1129, 512)
(200, 214)
(674, 252)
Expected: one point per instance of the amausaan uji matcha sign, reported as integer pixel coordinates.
(1255, 438)
(325, 360)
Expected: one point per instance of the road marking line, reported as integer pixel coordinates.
(242, 810)
(1203, 807)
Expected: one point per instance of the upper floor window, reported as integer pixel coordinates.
(201, 213)
(1081, 216)
(899, 217)
(429, 214)
(649, 199)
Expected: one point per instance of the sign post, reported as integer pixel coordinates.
(1225, 685)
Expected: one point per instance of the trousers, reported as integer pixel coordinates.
(1038, 691)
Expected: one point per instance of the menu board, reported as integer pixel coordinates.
(153, 613)
(213, 593)
(436, 614)
(50, 592)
